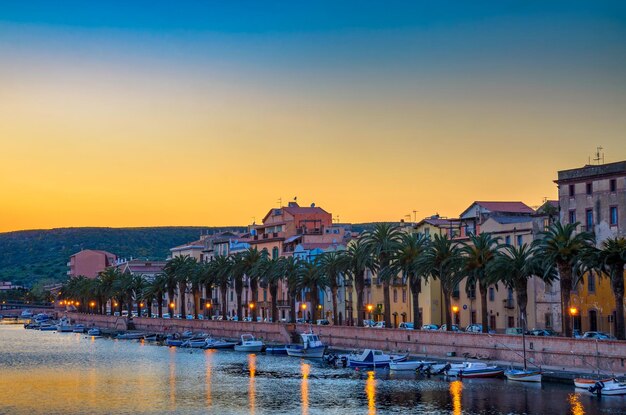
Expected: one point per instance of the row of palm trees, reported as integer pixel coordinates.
(396, 257)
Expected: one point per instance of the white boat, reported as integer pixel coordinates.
(42, 317)
(585, 383)
(211, 343)
(475, 370)
(26, 314)
(607, 389)
(374, 358)
(310, 346)
(79, 328)
(276, 350)
(249, 344)
(64, 326)
(47, 327)
(523, 375)
(194, 343)
(130, 336)
(412, 365)
(94, 332)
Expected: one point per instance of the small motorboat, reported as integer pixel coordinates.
(523, 375)
(172, 342)
(47, 327)
(211, 343)
(26, 314)
(278, 350)
(374, 358)
(64, 326)
(249, 344)
(310, 346)
(194, 343)
(608, 389)
(130, 335)
(41, 317)
(412, 365)
(94, 332)
(153, 337)
(79, 328)
(585, 383)
(475, 370)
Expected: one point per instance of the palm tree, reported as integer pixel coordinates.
(124, 289)
(406, 261)
(334, 266)
(207, 278)
(171, 283)
(612, 259)
(291, 273)
(252, 258)
(181, 268)
(195, 278)
(478, 253)
(107, 279)
(222, 272)
(155, 290)
(443, 260)
(360, 260)
(139, 285)
(563, 248)
(514, 267)
(382, 241)
(311, 279)
(272, 273)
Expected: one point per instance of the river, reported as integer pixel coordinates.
(68, 373)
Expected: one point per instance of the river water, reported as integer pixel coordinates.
(67, 373)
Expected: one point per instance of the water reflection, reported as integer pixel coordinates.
(251, 385)
(456, 389)
(172, 378)
(207, 378)
(305, 368)
(576, 406)
(370, 390)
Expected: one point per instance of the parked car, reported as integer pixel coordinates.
(542, 332)
(430, 327)
(598, 335)
(478, 328)
(323, 322)
(576, 334)
(247, 319)
(406, 326)
(369, 323)
(379, 325)
(514, 331)
(453, 328)
(300, 321)
(166, 315)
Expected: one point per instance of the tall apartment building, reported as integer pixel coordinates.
(89, 262)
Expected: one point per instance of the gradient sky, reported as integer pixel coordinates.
(206, 113)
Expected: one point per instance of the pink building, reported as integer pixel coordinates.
(90, 262)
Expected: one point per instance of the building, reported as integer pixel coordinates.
(90, 262)
(146, 268)
(595, 197)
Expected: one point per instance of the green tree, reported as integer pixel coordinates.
(612, 259)
(360, 260)
(334, 265)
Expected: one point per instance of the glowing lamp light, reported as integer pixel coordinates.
(303, 306)
(573, 311)
(370, 308)
(114, 304)
(319, 306)
(77, 303)
(251, 305)
(455, 309)
(172, 305)
(140, 304)
(208, 305)
(92, 304)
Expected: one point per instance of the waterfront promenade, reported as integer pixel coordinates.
(557, 353)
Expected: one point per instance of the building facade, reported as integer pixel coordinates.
(90, 262)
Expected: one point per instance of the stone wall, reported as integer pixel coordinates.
(559, 352)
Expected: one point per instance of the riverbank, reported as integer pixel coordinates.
(556, 354)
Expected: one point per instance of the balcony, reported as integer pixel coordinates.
(509, 303)
(284, 303)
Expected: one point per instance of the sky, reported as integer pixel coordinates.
(151, 113)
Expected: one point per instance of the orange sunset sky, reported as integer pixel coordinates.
(209, 116)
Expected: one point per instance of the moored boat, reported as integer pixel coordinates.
(310, 346)
(410, 365)
(130, 336)
(608, 389)
(94, 332)
(64, 326)
(475, 370)
(585, 383)
(47, 327)
(249, 344)
(521, 375)
(211, 343)
(374, 358)
(79, 328)
(277, 350)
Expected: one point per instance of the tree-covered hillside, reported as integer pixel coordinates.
(28, 257)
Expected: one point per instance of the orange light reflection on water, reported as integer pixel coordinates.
(456, 390)
(209, 366)
(172, 378)
(370, 390)
(251, 386)
(305, 369)
(577, 406)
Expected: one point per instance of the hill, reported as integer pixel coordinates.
(28, 257)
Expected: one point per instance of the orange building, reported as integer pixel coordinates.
(90, 262)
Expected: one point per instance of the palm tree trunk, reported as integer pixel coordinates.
(138, 308)
(522, 302)
(196, 301)
(566, 289)
(160, 305)
(238, 294)
(334, 290)
(149, 303)
(254, 288)
(274, 294)
(387, 304)
(617, 282)
(448, 307)
(416, 289)
(170, 299)
(359, 283)
(292, 306)
(223, 290)
(483, 308)
(182, 287)
(315, 300)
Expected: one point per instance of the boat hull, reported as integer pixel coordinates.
(282, 351)
(523, 376)
(380, 363)
(220, 345)
(310, 352)
(586, 383)
(173, 343)
(248, 348)
(476, 373)
(410, 365)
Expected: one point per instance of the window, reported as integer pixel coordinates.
(492, 322)
(455, 291)
(511, 322)
(549, 288)
(589, 219)
(492, 294)
(264, 295)
(473, 317)
(589, 189)
(546, 224)
(613, 185)
(613, 215)
(426, 231)
(591, 283)
(507, 239)
(571, 190)
(395, 295)
(471, 293)
(231, 296)
(572, 216)
(404, 295)
(548, 320)
(519, 240)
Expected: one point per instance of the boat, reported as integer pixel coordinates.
(194, 343)
(607, 389)
(374, 358)
(249, 344)
(152, 337)
(47, 327)
(310, 346)
(410, 365)
(211, 343)
(524, 375)
(277, 350)
(172, 342)
(129, 336)
(94, 332)
(475, 370)
(79, 328)
(585, 383)
(64, 326)
(41, 317)
(26, 314)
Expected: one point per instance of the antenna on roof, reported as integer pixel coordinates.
(599, 156)
(280, 202)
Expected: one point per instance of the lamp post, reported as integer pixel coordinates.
(207, 307)
(369, 310)
(92, 304)
(455, 312)
(573, 312)
(250, 308)
(303, 307)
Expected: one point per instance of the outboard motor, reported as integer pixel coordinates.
(427, 371)
(444, 369)
(344, 361)
(597, 388)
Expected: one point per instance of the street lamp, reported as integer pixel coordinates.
(172, 305)
(369, 310)
(573, 311)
